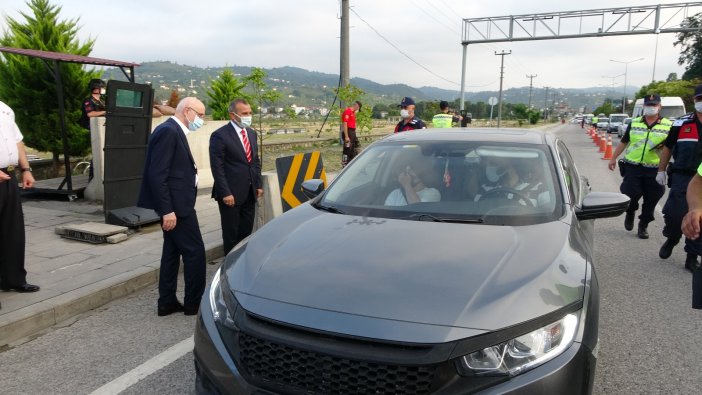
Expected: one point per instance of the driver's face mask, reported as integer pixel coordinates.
(493, 173)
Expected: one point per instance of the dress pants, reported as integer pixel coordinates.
(184, 240)
(237, 221)
(12, 271)
(641, 182)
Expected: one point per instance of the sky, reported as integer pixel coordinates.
(413, 42)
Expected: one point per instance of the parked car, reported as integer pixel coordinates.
(623, 126)
(588, 118)
(615, 120)
(602, 123)
(484, 281)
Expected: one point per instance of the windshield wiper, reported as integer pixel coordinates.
(429, 217)
(330, 209)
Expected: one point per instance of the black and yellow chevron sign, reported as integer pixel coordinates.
(292, 171)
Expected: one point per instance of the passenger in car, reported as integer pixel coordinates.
(413, 188)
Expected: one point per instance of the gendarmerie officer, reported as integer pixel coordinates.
(682, 144)
(642, 141)
(409, 120)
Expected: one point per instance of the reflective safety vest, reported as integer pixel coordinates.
(645, 144)
(442, 120)
(594, 121)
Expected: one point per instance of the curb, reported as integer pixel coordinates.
(28, 321)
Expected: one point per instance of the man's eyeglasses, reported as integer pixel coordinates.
(201, 115)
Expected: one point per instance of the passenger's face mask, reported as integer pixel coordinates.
(404, 113)
(698, 106)
(196, 123)
(493, 173)
(103, 91)
(650, 110)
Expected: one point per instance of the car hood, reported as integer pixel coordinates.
(438, 281)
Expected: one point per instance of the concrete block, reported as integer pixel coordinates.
(114, 239)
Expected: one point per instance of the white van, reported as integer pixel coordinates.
(671, 107)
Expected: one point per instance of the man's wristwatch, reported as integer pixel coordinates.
(29, 169)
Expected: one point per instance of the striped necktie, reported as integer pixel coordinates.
(247, 145)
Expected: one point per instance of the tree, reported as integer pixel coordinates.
(29, 87)
(173, 99)
(672, 77)
(691, 47)
(349, 94)
(223, 90)
(681, 88)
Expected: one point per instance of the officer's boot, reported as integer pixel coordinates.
(667, 248)
(643, 231)
(691, 262)
(629, 220)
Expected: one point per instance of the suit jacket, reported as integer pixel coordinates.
(232, 173)
(168, 183)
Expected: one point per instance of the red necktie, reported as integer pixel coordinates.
(247, 145)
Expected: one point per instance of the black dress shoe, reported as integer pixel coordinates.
(24, 288)
(629, 221)
(642, 233)
(667, 249)
(169, 309)
(191, 310)
(691, 262)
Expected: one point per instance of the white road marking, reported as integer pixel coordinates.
(145, 369)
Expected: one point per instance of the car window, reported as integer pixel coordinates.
(493, 183)
(570, 172)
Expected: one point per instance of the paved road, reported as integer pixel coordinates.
(651, 341)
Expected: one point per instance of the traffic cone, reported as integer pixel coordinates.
(603, 143)
(608, 150)
(596, 139)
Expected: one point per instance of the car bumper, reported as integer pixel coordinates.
(571, 372)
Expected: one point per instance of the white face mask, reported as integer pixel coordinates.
(404, 114)
(103, 91)
(493, 173)
(698, 106)
(650, 110)
(245, 120)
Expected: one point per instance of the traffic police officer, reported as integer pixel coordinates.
(642, 140)
(682, 145)
(443, 119)
(409, 120)
(594, 120)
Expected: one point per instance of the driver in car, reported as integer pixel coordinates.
(413, 188)
(506, 181)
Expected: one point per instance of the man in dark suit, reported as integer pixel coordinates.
(236, 169)
(169, 186)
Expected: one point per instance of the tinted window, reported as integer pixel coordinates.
(570, 173)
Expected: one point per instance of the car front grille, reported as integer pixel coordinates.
(315, 373)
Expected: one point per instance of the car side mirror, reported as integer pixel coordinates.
(312, 188)
(602, 205)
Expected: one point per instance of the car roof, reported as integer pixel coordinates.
(520, 136)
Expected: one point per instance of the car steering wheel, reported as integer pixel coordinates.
(505, 192)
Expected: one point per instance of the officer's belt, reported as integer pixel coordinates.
(9, 169)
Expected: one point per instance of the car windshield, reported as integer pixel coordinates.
(617, 118)
(603, 120)
(463, 182)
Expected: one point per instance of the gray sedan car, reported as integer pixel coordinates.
(441, 261)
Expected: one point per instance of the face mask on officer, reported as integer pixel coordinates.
(650, 110)
(698, 106)
(493, 173)
(404, 113)
(245, 120)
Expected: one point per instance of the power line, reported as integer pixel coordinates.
(400, 51)
(432, 17)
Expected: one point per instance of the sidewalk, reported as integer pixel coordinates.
(75, 276)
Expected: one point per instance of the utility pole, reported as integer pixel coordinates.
(531, 80)
(546, 102)
(344, 57)
(502, 73)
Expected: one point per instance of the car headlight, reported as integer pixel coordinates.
(222, 302)
(524, 352)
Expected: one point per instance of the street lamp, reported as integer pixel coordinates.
(626, 66)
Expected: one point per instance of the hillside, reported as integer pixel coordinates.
(314, 89)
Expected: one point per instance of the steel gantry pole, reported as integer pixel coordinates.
(531, 84)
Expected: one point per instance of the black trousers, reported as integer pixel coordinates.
(641, 182)
(12, 271)
(237, 221)
(185, 240)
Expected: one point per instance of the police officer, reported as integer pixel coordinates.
(642, 141)
(594, 120)
(93, 105)
(682, 145)
(409, 120)
(443, 119)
